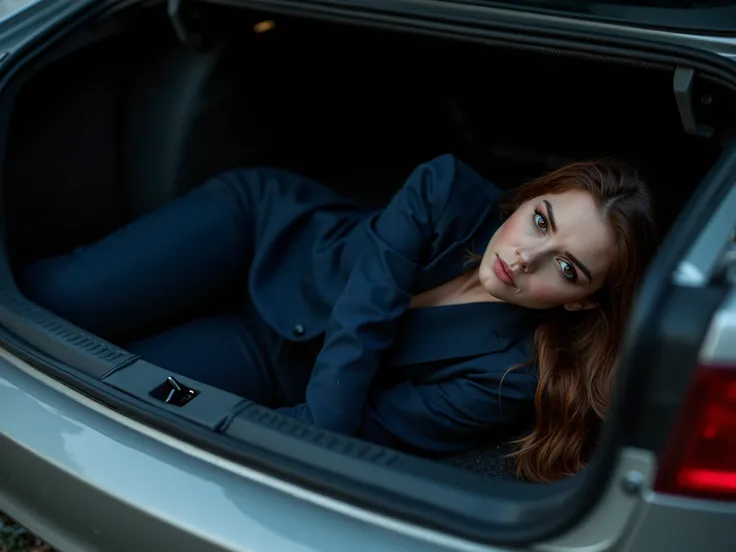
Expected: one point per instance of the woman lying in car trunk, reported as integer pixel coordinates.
(432, 325)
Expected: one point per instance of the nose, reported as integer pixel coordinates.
(527, 259)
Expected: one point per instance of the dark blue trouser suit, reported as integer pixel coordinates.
(159, 267)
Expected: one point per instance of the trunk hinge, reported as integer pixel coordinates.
(682, 84)
(178, 14)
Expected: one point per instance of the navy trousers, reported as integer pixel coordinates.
(166, 267)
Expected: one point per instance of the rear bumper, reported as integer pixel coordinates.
(84, 478)
(674, 524)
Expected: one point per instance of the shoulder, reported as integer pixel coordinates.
(446, 179)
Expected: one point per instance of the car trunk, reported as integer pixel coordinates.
(121, 117)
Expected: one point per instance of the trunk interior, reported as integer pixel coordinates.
(127, 124)
(122, 118)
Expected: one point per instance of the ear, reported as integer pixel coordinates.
(585, 304)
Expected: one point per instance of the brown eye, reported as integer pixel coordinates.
(540, 221)
(568, 271)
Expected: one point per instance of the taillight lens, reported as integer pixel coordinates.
(700, 459)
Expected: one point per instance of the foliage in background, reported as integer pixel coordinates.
(15, 538)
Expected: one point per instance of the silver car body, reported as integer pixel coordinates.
(85, 477)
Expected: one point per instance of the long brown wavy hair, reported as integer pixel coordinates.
(577, 353)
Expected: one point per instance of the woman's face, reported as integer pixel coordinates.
(553, 251)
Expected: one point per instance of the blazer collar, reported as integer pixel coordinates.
(455, 259)
(439, 333)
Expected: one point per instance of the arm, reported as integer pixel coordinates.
(363, 321)
(453, 415)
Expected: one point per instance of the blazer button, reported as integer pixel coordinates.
(298, 330)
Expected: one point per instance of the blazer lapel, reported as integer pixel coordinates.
(439, 333)
(455, 258)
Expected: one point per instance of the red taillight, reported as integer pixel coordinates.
(700, 459)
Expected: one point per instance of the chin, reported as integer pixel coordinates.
(495, 289)
(503, 295)
(486, 276)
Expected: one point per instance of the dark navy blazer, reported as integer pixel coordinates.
(432, 380)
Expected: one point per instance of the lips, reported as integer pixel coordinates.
(504, 272)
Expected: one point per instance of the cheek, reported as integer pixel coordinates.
(543, 291)
(546, 289)
(509, 231)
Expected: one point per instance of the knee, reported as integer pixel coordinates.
(236, 181)
(251, 184)
(61, 287)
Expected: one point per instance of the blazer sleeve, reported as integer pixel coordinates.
(363, 321)
(453, 415)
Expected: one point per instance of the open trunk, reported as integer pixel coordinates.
(121, 117)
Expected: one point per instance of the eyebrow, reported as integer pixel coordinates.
(581, 266)
(551, 216)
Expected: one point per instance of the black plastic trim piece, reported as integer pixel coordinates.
(682, 85)
(446, 496)
(531, 503)
(254, 417)
(66, 342)
(211, 407)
